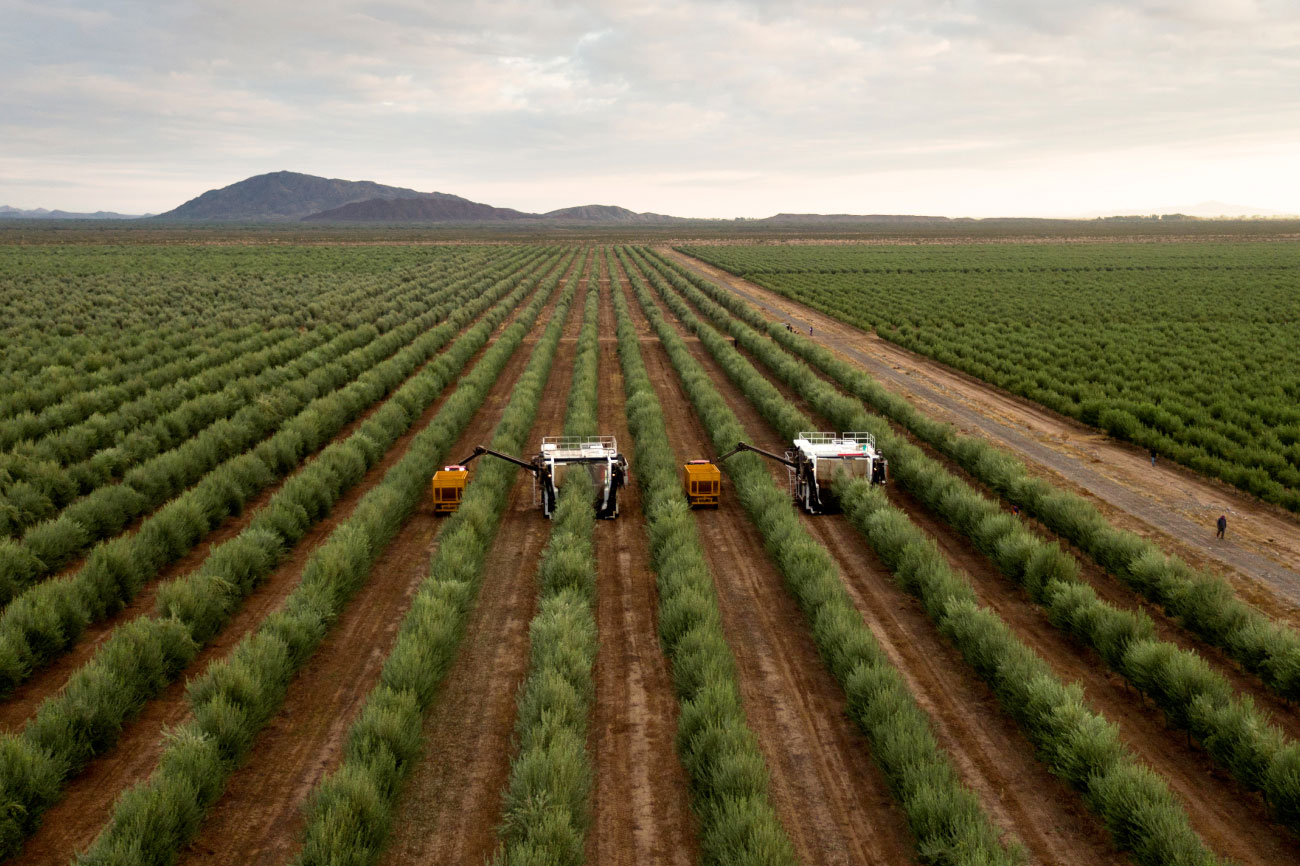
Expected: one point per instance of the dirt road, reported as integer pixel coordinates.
(1173, 506)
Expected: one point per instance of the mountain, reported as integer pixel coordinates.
(41, 213)
(441, 207)
(281, 195)
(605, 213)
(428, 207)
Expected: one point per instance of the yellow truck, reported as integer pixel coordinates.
(703, 483)
(448, 488)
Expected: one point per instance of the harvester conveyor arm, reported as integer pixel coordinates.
(479, 451)
(741, 446)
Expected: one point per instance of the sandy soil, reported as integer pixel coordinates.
(640, 799)
(1167, 503)
(451, 805)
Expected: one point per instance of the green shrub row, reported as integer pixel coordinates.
(40, 477)
(171, 359)
(1077, 744)
(163, 322)
(34, 487)
(946, 818)
(140, 658)
(1205, 604)
(350, 810)
(728, 775)
(51, 544)
(545, 815)
(1193, 696)
(120, 429)
(49, 617)
(237, 696)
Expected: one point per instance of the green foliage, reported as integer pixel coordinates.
(945, 817)
(1142, 340)
(237, 696)
(1075, 743)
(1193, 696)
(349, 811)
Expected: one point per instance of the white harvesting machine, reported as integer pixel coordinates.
(813, 460)
(597, 455)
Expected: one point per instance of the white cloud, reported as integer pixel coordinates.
(719, 108)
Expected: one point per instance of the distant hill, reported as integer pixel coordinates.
(605, 213)
(1203, 210)
(41, 213)
(428, 207)
(281, 195)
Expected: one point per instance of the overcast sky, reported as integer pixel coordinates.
(963, 107)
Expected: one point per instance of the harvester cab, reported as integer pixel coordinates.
(596, 455)
(813, 459)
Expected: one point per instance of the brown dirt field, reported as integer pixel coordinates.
(988, 750)
(451, 804)
(1232, 819)
(828, 794)
(72, 823)
(640, 796)
(259, 819)
(1168, 504)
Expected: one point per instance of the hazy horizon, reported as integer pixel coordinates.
(730, 109)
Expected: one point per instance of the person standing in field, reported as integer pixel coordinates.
(1222, 524)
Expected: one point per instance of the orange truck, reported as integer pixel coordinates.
(703, 483)
(448, 488)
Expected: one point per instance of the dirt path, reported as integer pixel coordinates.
(72, 823)
(1231, 818)
(640, 797)
(988, 750)
(450, 806)
(1169, 504)
(829, 795)
(259, 820)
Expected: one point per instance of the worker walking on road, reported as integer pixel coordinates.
(1222, 524)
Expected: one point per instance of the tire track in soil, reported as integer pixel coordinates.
(990, 754)
(22, 703)
(640, 794)
(827, 792)
(1167, 504)
(450, 805)
(1232, 819)
(259, 819)
(73, 822)
(1282, 713)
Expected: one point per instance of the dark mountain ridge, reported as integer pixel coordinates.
(281, 195)
(428, 207)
